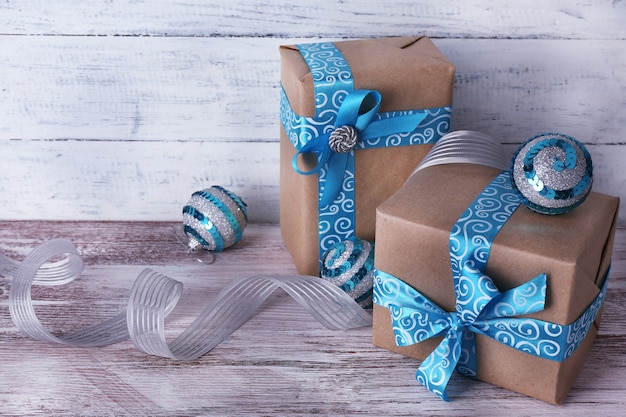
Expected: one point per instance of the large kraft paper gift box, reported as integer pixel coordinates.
(395, 92)
(414, 250)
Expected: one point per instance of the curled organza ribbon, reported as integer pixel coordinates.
(465, 147)
(153, 296)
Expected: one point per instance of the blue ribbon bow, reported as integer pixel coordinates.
(415, 319)
(358, 109)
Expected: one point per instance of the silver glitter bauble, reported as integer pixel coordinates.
(552, 172)
(214, 219)
(343, 139)
(350, 266)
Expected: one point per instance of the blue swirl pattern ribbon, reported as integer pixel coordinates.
(480, 307)
(338, 104)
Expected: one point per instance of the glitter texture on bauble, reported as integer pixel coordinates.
(350, 266)
(552, 172)
(214, 219)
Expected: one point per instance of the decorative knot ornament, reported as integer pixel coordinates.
(214, 219)
(350, 266)
(552, 172)
(343, 139)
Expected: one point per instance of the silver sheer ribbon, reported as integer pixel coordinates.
(466, 147)
(153, 296)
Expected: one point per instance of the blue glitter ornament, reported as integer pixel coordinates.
(214, 219)
(552, 172)
(350, 266)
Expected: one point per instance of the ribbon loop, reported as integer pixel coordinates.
(358, 110)
(527, 298)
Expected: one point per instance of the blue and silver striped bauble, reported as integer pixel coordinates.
(350, 266)
(214, 219)
(552, 172)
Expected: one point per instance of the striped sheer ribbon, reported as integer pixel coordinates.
(153, 296)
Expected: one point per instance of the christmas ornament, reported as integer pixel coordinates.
(350, 266)
(214, 219)
(552, 172)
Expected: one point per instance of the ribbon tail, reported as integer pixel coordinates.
(334, 178)
(398, 124)
(467, 360)
(436, 370)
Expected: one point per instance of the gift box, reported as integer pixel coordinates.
(536, 351)
(356, 118)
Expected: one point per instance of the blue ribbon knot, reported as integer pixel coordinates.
(358, 109)
(416, 319)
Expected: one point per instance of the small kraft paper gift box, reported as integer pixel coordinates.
(356, 118)
(469, 278)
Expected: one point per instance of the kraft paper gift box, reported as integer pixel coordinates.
(399, 93)
(413, 247)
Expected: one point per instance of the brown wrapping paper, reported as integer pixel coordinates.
(573, 249)
(410, 73)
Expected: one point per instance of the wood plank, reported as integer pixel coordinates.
(600, 19)
(198, 89)
(92, 180)
(280, 363)
(515, 89)
(110, 88)
(80, 180)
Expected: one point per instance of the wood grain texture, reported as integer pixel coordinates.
(281, 362)
(226, 89)
(133, 180)
(600, 19)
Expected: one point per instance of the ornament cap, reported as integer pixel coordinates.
(193, 245)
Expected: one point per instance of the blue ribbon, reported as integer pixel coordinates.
(357, 110)
(338, 104)
(480, 307)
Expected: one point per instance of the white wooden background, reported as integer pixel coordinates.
(118, 110)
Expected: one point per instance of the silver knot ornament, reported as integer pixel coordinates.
(343, 139)
(552, 172)
(214, 219)
(350, 266)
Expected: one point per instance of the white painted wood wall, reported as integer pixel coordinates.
(118, 110)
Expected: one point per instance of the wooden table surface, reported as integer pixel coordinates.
(281, 363)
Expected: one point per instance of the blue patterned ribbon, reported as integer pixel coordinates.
(480, 306)
(338, 104)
